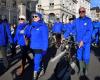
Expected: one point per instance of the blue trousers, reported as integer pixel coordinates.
(37, 61)
(83, 53)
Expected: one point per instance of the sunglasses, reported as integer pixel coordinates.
(81, 11)
(21, 19)
(34, 16)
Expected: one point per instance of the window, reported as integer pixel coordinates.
(14, 4)
(39, 5)
(3, 3)
(51, 5)
(0, 16)
(28, 4)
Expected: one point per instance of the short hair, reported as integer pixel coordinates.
(82, 8)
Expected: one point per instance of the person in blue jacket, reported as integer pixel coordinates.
(20, 40)
(68, 28)
(95, 34)
(38, 34)
(82, 28)
(57, 31)
(5, 38)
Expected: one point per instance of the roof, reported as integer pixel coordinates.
(95, 8)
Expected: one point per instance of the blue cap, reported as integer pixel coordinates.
(38, 14)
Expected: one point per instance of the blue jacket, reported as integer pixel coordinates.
(5, 34)
(82, 28)
(96, 26)
(68, 30)
(20, 38)
(38, 33)
(57, 27)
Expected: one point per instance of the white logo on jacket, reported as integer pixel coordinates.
(85, 24)
(37, 29)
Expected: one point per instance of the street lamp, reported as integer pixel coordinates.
(9, 12)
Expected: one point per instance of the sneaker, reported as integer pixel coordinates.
(35, 75)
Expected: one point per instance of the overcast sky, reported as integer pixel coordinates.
(95, 3)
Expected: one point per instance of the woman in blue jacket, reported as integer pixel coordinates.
(38, 34)
(20, 39)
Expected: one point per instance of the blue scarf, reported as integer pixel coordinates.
(37, 24)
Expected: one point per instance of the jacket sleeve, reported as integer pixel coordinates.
(45, 37)
(70, 30)
(88, 34)
(27, 31)
(9, 33)
(67, 31)
(16, 35)
(64, 27)
(73, 28)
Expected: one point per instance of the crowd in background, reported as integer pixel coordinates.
(34, 36)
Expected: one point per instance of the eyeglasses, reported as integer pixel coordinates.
(35, 16)
(81, 11)
(21, 19)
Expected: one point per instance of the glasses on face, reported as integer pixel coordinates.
(35, 16)
(21, 19)
(81, 11)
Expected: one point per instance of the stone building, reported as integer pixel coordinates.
(83, 3)
(63, 9)
(95, 13)
(11, 9)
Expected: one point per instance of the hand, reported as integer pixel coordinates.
(22, 32)
(81, 44)
(63, 39)
(44, 53)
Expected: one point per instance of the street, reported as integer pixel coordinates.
(51, 62)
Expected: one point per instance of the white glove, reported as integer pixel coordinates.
(63, 39)
(22, 32)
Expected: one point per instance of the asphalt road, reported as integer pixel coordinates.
(51, 62)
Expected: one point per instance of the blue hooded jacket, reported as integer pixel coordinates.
(67, 30)
(20, 38)
(96, 26)
(57, 27)
(38, 33)
(5, 34)
(82, 28)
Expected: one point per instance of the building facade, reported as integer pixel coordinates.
(85, 4)
(8, 9)
(95, 13)
(63, 9)
(52, 9)
(11, 9)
